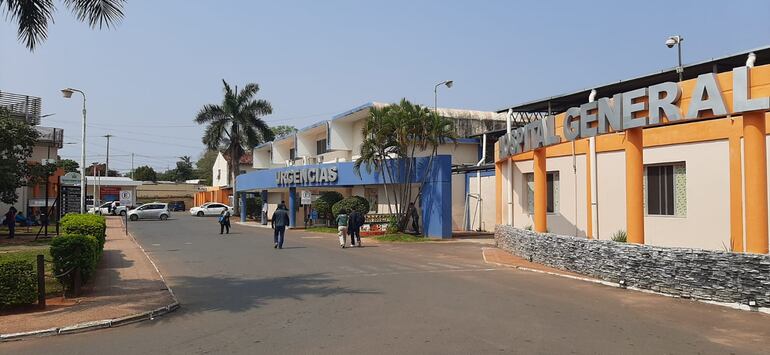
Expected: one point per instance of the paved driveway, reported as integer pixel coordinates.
(239, 295)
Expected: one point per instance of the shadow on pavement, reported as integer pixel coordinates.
(234, 294)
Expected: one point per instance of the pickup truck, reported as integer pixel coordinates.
(104, 208)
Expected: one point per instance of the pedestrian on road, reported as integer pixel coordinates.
(342, 226)
(10, 221)
(224, 221)
(355, 221)
(279, 223)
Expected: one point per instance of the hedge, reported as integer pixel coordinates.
(85, 224)
(70, 251)
(325, 202)
(18, 283)
(351, 203)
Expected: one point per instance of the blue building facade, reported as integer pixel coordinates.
(435, 202)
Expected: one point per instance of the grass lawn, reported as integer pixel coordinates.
(52, 286)
(400, 237)
(322, 229)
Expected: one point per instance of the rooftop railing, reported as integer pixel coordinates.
(22, 106)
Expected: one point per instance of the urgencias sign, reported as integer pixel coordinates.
(625, 111)
(306, 176)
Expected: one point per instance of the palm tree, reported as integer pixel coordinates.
(33, 16)
(236, 125)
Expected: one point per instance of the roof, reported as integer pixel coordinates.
(111, 181)
(561, 103)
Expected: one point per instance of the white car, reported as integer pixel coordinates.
(104, 208)
(210, 209)
(152, 210)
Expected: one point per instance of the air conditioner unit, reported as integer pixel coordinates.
(320, 159)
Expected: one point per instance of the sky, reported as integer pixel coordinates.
(146, 79)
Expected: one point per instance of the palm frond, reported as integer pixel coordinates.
(33, 17)
(97, 13)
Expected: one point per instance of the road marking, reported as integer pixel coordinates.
(312, 237)
(156, 245)
(187, 243)
(444, 265)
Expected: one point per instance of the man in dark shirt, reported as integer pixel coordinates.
(279, 223)
(355, 221)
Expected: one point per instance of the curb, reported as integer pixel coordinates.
(736, 306)
(104, 323)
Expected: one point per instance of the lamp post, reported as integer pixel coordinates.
(448, 84)
(67, 93)
(107, 164)
(670, 43)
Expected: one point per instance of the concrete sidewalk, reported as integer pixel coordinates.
(126, 285)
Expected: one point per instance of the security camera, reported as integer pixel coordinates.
(670, 43)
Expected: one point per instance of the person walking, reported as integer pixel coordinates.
(355, 221)
(411, 212)
(342, 226)
(10, 221)
(113, 206)
(279, 223)
(224, 221)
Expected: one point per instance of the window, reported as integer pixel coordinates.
(219, 174)
(292, 154)
(320, 146)
(371, 197)
(666, 190)
(552, 191)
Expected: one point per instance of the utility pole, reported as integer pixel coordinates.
(132, 166)
(107, 163)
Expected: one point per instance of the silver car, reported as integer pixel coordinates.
(153, 210)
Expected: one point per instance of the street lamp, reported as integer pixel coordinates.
(67, 93)
(448, 84)
(677, 41)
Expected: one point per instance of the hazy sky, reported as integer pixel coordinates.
(146, 79)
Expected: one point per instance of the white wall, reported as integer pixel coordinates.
(281, 151)
(488, 203)
(458, 201)
(219, 172)
(261, 159)
(342, 135)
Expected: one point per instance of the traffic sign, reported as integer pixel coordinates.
(72, 178)
(126, 198)
(306, 197)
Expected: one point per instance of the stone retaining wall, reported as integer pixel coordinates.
(696, 273)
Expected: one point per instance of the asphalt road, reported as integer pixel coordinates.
(239, 295)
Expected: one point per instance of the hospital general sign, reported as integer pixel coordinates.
(626, 110)
(302, 176)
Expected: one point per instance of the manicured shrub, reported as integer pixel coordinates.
(352, 203)
(85, 224)
(74, 251)
(18, 283)
(254, 206)
(324, 203)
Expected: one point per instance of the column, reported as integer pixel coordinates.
(541, 199)
(242, 206)
(263, 213)
(634, 146)
(292, 207)
(499, 193)
(755, 180)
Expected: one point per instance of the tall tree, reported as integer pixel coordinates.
(32, 16)
(145, 173)
(68, 165)
(204, 165)
(282, 130)
(184, 169)
(17, 139)
(236, 125)
(393, 136)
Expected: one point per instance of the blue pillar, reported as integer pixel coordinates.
(243, 206)
(263, 213)
(436, 200)
(292, 207)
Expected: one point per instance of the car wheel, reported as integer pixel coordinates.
(200, 214)
(122, 213)
(134, 217)
(163, 217)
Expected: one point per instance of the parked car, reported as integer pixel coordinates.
(152, 210)
(176, 206)
(210, 209)
(104, 209)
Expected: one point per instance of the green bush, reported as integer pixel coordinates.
(350, 204)
(70, 251)
(18, 283)
(324, 203)
(392, 224)
(620, 236)
(85, 224)
(254, 206)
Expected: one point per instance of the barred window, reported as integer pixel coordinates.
(665, 190)
(552, 191)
